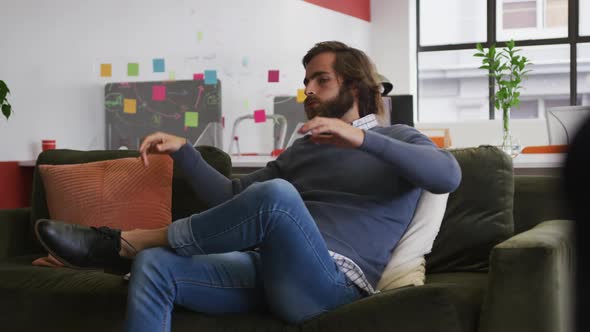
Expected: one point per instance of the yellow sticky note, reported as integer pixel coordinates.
(199, 36)
(191, 119)
(246, 104)
(130, 106)
(301, 95)
(172, 75)
(106, 70)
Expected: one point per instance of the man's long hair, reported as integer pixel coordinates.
(358, 72)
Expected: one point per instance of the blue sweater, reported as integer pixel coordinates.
(361, 199)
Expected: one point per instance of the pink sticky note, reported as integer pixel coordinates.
(273, 75)
(198, 76)
(159, 92)
(259, 116)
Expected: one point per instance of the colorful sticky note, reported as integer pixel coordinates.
(259, 116)
(106, 70)
(130, 106)
(133, 69)
(198, 76)
(246, 104)
(191, 119)
(172, 75)
(159, 92)
(245, 61)
(210, 77)
(199, 36)
(159, 65)
(273, 76)
(301, 95)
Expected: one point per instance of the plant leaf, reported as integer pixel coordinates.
(3, 91)
(6, 110)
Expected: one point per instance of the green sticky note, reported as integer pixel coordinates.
(133, 69)
(246, 104)
(172, 75)
(191, 119)
(199, 35)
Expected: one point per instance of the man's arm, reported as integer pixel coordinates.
(210, 185)
(412, 154)
(415, 158)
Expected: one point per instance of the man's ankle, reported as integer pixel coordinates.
(127, 249)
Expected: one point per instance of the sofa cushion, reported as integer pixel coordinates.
(184, 200)
(479, 213)
(52, 299)
(88, 300)
(85, 300)
(119, 193)
(436, 306)
(407, 264)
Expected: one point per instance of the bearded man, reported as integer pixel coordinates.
(311, 231)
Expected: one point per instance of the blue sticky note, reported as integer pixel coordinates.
(210, 77)
(159, 66)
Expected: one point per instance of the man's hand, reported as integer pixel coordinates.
(333, 131)
(161, 143)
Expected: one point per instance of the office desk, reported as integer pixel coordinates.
(247, 164)
(524, 164)
(539, 163)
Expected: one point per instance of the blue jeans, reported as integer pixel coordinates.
(211, 267)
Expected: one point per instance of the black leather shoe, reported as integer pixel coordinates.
(83, 247)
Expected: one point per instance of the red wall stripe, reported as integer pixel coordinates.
(15, 185)
(356, 8)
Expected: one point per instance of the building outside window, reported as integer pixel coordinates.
(451, 87)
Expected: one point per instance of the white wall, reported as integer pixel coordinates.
(50, 56)
(393, 42)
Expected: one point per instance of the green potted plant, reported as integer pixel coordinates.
(6, 108)
(507, 69)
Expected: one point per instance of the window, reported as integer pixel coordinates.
(452, 21)
(584, 25)
(531, 19)
(556, 14)
(519, 14)
(451, 87)
(584, 73)
(548, 79)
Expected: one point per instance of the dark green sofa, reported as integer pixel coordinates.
(502, 261)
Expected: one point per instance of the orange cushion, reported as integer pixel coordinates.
(438, 141)
(118, 193)
(545, 149)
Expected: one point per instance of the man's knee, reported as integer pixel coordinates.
(276, 189)
(149, 261)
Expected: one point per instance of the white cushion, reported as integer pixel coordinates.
(407, 264)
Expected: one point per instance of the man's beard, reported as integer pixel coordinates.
(333, 108)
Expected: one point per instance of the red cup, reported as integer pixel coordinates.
(276, 152)
(48, 144)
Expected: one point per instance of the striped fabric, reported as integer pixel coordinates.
(353, 272)
(118, 193)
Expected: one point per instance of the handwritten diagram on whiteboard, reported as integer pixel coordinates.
(190, 109)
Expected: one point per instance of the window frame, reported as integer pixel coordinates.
(572, 39)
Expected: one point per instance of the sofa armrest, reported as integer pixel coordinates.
(531, 281)
(538, 198)
(16, 236)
